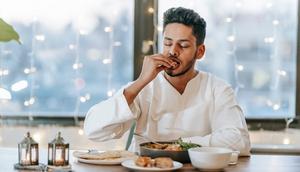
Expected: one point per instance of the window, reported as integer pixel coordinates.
(251, 45)
(73, 55)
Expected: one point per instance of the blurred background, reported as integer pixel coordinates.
(77, 53)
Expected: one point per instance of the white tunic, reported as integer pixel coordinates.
(206, 113)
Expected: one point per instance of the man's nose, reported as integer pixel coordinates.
(173, 52)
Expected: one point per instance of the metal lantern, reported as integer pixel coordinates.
(28, 151)
(58, 152)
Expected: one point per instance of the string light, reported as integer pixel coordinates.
(228, 19)
(29, 102)
(278, 73)
(4, 72)
(269, 5)
(269, 39)
(150, 42)
(37, 137)
(40, 38)
(30, 70)
(286, 141)
(79, 82)
(275, 22)
(4, 94)
(232, 48)
(238, 4)
(77, 66)
(80, 132)
(110, 92)
(85, 98)
(159, 28)
(240, 67)
(231, 38)
(107, 29)
(151, 10)
(276, 107)
(109, 60)
(20, 85)
(71, 46)
(281, 72)
(106, 61)
(117, 44)
(83, 32)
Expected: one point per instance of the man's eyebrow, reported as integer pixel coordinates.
(180, 40)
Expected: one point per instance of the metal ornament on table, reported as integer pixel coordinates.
(58, 152)
(28, 152)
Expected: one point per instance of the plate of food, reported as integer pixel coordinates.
(176, 150)
(144, 163)
(112, 157)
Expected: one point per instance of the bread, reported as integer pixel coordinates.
(144, 161)
(113, 154)
(163, 162)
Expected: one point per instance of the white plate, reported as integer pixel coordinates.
(83, 156)
(131, 165)
(105, 162)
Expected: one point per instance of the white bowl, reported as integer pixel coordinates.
(210, 158)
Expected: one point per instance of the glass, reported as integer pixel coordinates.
(69, 59)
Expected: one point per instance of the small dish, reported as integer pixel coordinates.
(210, 158)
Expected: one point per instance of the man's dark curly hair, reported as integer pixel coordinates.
(189, 18)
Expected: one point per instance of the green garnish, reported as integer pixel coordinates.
(186, 145)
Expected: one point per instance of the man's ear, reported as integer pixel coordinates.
(200, 51)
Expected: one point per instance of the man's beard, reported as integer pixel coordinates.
(188, 67)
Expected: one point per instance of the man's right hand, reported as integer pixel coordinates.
(152, 65)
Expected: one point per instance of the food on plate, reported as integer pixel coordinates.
(144, 161)
(107, 155)
(163, 162)
(178, 145)
(160, 162)
(186, 145)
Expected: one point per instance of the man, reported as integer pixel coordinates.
(171, 99)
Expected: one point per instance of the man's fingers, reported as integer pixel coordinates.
(168, 60)
(161, 60)
(160, 63)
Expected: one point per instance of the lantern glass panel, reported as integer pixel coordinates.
(59, 158)
(28, 151)
(58, 152)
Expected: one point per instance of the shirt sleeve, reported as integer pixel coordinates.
(111, 118)
(228, 124)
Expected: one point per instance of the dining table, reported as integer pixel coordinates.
(262, 162)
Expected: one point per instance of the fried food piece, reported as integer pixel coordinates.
(173, 147)
(144, 161)
(163, 162)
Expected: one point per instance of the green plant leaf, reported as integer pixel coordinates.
(8, 33)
